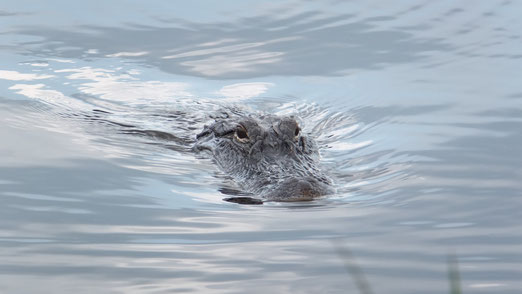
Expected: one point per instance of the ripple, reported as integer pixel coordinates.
(416, 109)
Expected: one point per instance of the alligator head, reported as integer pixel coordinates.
(268, 156)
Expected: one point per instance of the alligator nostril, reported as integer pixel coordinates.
(305, 188)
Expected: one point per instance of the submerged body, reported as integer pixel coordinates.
(268, 156)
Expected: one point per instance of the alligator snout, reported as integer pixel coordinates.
(299, 189)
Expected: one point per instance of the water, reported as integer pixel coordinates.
(417, 108)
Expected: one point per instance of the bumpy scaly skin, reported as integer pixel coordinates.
(268, 156)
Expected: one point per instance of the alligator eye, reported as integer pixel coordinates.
(296, 133)
(241, 134)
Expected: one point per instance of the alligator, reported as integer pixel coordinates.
(268, 156)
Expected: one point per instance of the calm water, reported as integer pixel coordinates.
(417, 108)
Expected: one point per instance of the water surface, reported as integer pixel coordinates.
(417, 109)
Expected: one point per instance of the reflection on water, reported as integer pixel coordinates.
(416, 109)
(295, 46)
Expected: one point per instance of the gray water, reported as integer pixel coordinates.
(416, 106)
